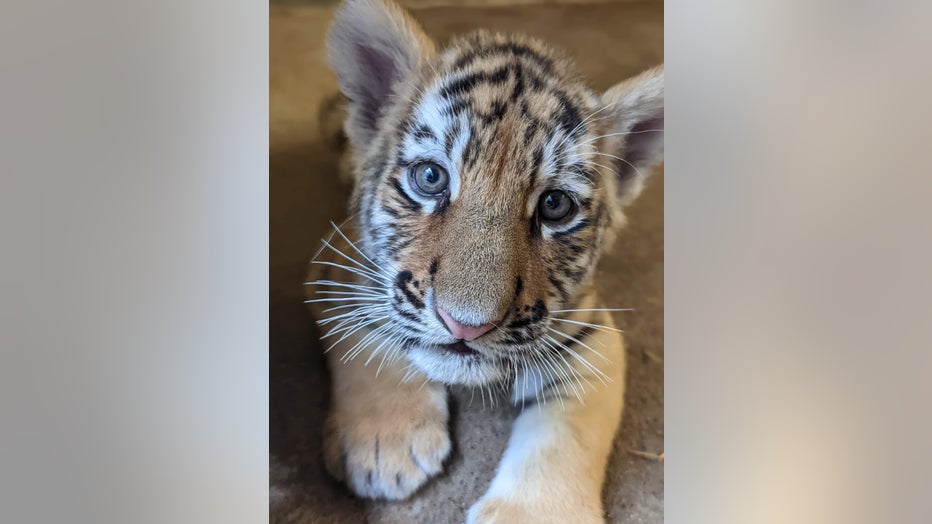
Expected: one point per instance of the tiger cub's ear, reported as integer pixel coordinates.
(635, 126)
(372, 46)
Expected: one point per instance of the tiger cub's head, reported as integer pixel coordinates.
(488, 178)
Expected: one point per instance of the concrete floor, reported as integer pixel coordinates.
(610, 42)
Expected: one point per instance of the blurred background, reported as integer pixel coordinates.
(610, 41)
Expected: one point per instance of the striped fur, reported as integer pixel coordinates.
(508, 119)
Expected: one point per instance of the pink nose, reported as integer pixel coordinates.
(462, 331)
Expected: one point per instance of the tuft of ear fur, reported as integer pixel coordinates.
(636, 129)
(373, 45)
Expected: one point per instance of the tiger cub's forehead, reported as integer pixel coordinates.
(508, 102)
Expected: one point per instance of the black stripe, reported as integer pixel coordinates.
(392, 212)
(537, 163)
(404, 243)
(584, 223)
(576, 248)
(537, 83)
(580, 170)
(410, 329)
(424, 133)
(465, 84)
(497, 112)
(400, 161)
(529, 133)
(450, 137)
(534, 231)
(520, 322)
(519, 84)
(538, 311)
(561, 289)
(408, 316)
(569, 117)
(517, 50)
(471, 154)
(401, 281)
(575, 273)
(519, 339)
(456, 108)
(410, 203)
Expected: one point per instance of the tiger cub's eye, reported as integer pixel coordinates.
(429, 178)
(556, 206)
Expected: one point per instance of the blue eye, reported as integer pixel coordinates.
(555, 206)
(429, 178)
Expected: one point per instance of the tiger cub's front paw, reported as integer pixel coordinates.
(387, 453)
(495, 510)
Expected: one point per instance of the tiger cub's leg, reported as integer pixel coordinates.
(554, 465)
(383, 438)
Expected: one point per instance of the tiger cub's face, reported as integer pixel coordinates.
(488, 176)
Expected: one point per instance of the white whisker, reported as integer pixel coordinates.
(390, 340)
(567, 135)
(554, 379)
(587, 324)
(578, 376)
(353, 245)
(524, 389)
(357, 311)
(335, 299)
(366, 273)
(363, 343)
(350, 319)
(345, 306)
(581, 343)
(586, 310)
(374, 268)
(345, 319)
(638, 171)
(333, 283)
(555, 370)
(349, 293)
(330, 236)
(361, 325)
(593, 139)
(603, 166)
(599, 373)
(390, 337)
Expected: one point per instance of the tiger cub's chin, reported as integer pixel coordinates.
(449, 367)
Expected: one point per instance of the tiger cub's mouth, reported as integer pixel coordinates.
(460, 348)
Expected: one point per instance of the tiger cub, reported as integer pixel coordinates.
(488, 179)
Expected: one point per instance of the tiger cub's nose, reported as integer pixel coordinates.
(463, 331)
